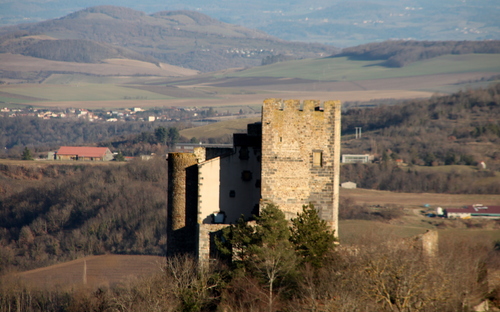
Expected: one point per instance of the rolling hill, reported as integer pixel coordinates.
(182, 38)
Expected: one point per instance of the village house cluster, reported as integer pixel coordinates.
(125, 114)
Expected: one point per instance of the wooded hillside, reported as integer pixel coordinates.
(81, 210)
(399, 53)
(67, 50)
(458, 129)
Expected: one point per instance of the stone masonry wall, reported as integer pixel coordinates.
(301, 156)
(182, 232)
(206, 242)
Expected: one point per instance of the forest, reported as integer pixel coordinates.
(132, 138)
(58, 213)
(399, 53)
(461, 128)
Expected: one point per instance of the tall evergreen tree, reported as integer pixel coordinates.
(311, 237)
(236, 243)
(263, 251)
(27, 154)
(161, 134)
(274, 261)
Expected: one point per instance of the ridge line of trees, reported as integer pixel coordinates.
(399, 53)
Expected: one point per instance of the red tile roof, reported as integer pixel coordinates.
(476, 209)
(83, 151)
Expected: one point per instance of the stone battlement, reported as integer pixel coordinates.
(297, 105)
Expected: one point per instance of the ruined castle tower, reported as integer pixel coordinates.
(301, 156)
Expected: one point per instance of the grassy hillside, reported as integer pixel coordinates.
(16, 68)
(223, 129)
(83, 92)
(343, 69)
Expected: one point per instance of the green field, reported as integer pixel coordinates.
(8, 101)
(342, 69)
(62, 79)
(82, 92)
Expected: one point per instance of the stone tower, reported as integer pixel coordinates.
(182, 230)
(301, 156)
(291, 158)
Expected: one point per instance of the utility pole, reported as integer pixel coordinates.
(358, 132)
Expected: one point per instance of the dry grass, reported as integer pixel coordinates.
(414, 222)
(104, 270)
(415, 200)
(352, 231)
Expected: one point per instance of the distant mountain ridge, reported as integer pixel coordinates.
(182, 38)
(337, 22)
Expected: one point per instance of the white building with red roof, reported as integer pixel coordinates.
(474, 211)
(83, 153)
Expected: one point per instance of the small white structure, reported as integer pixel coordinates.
(439, 211)
(352, 158)
(348, 185)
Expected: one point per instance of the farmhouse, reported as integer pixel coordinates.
(474, 211)
(83, 153)
(290, 158)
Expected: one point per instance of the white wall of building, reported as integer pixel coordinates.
(208, 189)
(229, 184)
